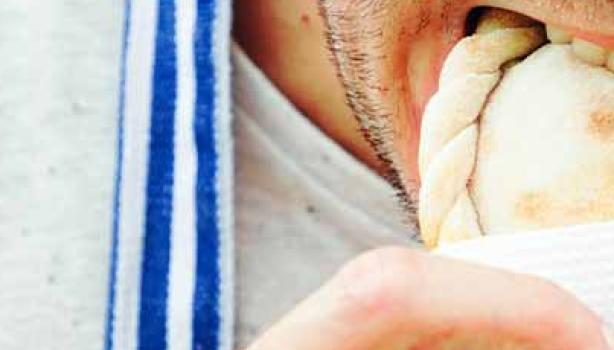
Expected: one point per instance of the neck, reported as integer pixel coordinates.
(285, 39)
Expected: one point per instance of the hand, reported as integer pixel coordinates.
(399, 299)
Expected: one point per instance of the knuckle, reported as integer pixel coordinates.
(555, 307)
(380, 283)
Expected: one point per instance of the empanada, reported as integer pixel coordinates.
(508, 148)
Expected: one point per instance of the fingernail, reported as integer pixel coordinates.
(608, 334)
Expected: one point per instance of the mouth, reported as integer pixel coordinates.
(595, 51)
(590, 20)
(390, 56)
(586, 27)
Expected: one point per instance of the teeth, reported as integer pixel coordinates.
(589, 52)
(585, 50)
(557, 35)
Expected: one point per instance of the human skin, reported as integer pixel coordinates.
(291, 35)
(395, 298)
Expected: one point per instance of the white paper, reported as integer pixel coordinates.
(580, 259)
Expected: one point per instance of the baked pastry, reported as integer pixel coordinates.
(510, 145)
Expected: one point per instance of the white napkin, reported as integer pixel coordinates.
(580, 259)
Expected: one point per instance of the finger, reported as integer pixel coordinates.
(401, 297)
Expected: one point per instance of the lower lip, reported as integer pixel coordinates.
(603, 41)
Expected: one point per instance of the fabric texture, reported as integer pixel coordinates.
(58, 107)
(578, 259)
(304, 206)
(171, 262)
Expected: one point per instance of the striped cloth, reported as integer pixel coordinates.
(171, 265)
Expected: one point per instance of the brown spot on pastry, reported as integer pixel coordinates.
(569, 202)
(601, 125)
(600, 204)
(532, 206)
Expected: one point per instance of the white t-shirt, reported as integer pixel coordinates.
(304, 206)
(59, 64)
